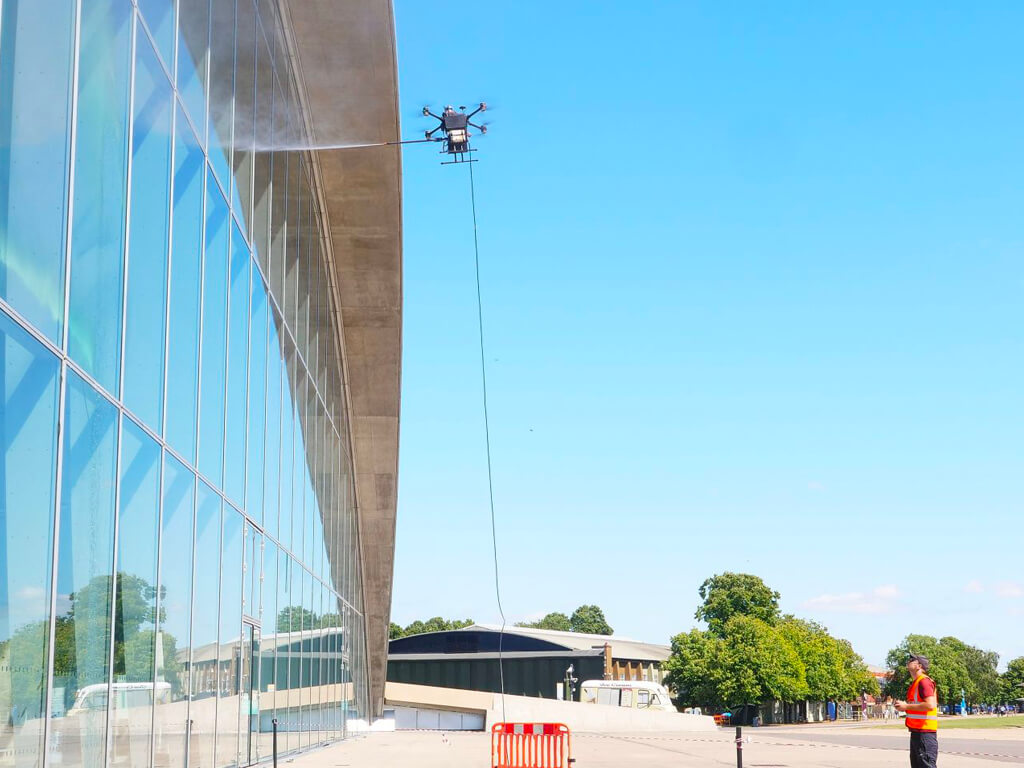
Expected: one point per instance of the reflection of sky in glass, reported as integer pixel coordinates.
(261, 420)
(34, 156)
(211, 365)
(185, 277)
(149, 229)
(97, 233)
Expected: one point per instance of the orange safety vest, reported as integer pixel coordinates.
(920, 721)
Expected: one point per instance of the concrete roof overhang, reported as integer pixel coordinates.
(345, 59)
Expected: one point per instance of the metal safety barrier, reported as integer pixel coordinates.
(531, 745)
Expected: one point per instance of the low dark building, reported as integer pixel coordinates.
(533, 661)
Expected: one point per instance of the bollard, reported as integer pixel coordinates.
(275, 742)
(739, 746)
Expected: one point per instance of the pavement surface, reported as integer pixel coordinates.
(807, 746)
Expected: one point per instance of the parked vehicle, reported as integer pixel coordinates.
(633, 694)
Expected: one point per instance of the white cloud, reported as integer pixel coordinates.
(974, 587)
(1010, 589)
(880, 600)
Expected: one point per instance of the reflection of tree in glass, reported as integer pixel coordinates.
(295, 618)
(81, 634)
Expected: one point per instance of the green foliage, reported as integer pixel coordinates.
(589, 619)
(955, 667)
(750, 654)
(736, 594)
(435, 624)
(554, 620)
(295, 618)
(1012, 681)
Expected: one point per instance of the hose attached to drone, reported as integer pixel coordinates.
(487, 436)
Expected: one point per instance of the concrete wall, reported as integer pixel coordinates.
(588, 718)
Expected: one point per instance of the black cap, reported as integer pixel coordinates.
(922, 660)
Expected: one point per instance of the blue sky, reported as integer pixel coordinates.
(753, 280)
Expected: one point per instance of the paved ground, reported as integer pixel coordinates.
(793, 747)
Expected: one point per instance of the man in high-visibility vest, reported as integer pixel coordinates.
(922, 710)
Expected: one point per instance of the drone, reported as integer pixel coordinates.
(455, 126)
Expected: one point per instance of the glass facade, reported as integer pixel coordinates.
(178, 549)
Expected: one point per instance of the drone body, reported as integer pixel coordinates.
(455, 125)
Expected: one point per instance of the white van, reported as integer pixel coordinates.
(634, 694)
(126, 696)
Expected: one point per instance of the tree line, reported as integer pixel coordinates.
(587, 619)
(751, 653)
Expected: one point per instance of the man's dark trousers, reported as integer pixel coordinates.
(924, 749)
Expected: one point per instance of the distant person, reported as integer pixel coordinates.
(922, 711)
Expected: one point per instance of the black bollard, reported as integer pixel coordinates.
(275, 742)
(739, 746)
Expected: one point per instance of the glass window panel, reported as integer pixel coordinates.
(257, 398)
(299, 473)
(272, 454)
(135, 598)
(253, 572)
(193, 58)
(205, 613)
(222, 70)
(36, 43)
(149, 227)
(185, 282)
(172, 673)
(262, 146)
(229, 653)
(100, 195)
(28, 420)
(279, 199)
(306, 267)
(269, 643)
(294, 232)
(159, 16)
(245, 106)
(283, 623)
(238, 354)
(85, 559)
(287, 440)
(211, 365)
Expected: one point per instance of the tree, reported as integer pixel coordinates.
(589, 619)
(736, 594)
(295, 618)
(395, 631)
(553, 620)
(834, 671)
(947, 670)
(1012, 680)
(982, 670)
(435, 624)
(748, 662)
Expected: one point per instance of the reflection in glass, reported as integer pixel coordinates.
(175, 614)
(203, 669)
(100, 195)
(230, 632)
(185, 281)
(222, 69)
(257, 397)
(28, 439)
(263, 142)
(135, 651)
(85, 555)
(211, 366)
(273, 451)
(36, 41)
(193, 55)
(245, 106)
(148, 238)
(238, 353)
(159, 16)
